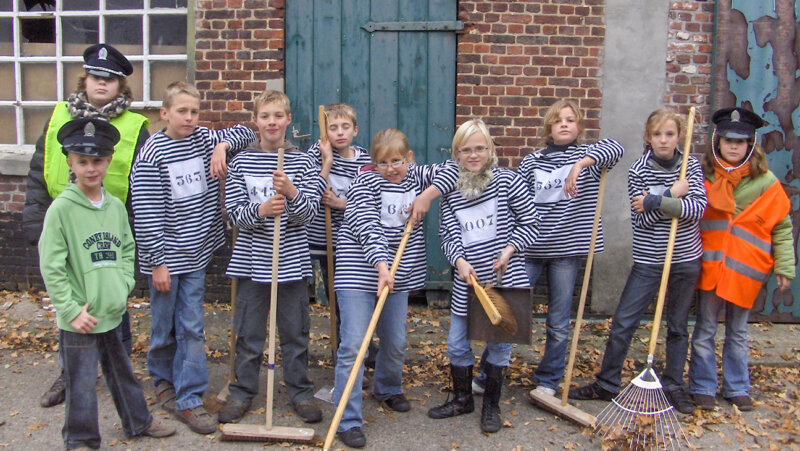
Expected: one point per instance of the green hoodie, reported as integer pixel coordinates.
(86, 255)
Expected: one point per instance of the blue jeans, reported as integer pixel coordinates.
(81, 353)
(177, 351)
(460, 352)
(561, 273)
(356, 309)
(703, 365)
(640, 291)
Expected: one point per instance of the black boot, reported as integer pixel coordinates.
(462, 395)
(490, 413)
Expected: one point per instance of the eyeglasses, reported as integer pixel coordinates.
(477, 150)
(394, 164)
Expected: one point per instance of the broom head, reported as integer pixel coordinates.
(507, 321)
(260, 433)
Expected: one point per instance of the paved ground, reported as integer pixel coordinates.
(28, 365)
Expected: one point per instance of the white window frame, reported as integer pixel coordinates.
(60, 59)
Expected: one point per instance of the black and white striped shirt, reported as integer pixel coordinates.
(342, 173)
(478, 231)
(373, 226)
(566, 223)
(176, 207)
(249, 183)
(651, 228)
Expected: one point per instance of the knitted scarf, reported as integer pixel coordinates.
(79, 106)
(720, 195)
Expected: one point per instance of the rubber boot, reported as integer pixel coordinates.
(462, 401)
(490, 413)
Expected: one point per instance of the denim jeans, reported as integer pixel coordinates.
(561, 273)
(357, 308)
(81, 353)
(460, 352)
(177, 351)
(639, 292)
(703, 365)
(250, 323)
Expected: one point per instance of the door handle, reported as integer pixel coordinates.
(296, 134)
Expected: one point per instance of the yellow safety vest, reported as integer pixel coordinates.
(56, 171)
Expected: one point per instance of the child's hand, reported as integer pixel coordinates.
(680, 188)
(783, 282)
(161, 278)
(464, 270)
(422, 204)
(385, 278)
(332, 200)
(282, 185)
(326, 152)
(638, 202)
(219, 166)
(571, 182)
(501, 264)
(84, 322)
(273, 206)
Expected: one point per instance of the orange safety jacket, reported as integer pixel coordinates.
(737, 251)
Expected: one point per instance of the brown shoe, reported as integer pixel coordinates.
(159, 429)
(56, 393)
(165, 393)
(744, 403)
(704, 402)
(198, 420)
(307, 410)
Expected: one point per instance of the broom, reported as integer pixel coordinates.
(323, 135)
(362, 351)
(551, 403)
(496, 308)
(642, 410)
(222, 396)
(268, 432)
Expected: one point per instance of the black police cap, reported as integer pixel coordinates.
(105, 61)
(737, 123)
(88, 136)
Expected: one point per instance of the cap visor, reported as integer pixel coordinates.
(733, 134)
(100, 73)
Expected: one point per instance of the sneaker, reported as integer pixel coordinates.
(478, 387)
(353, 438)
(542, 390)
(159, 429)
(704, 402)
(233, 410)
(744, 403)
(57, 392)
(591, 391)
(680, 400)
(307, 410)
(198, 420)
(165, 393)
(398, 403)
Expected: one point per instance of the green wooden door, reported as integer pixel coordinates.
(394, 62)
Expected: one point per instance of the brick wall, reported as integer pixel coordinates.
(12, 193)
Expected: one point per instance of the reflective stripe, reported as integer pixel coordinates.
(743, 234)
(714, 224)
(714, 256)
(745, 270)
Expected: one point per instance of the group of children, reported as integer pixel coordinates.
(497, 226)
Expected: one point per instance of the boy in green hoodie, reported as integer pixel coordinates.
(86, 254)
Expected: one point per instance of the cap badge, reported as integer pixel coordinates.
(103, 53)
(89, 130)
(735, 116)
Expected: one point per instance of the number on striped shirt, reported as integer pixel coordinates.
(479, 222)
(393, 208)
(550, 185)
(187, 178)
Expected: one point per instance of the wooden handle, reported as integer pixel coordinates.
(323, 123)
(584, 289)
(234, 291)
(486, 303)
(362, 351)
(673, 230)
(273, 306)
(322, 118)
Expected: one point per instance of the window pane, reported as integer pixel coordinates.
(167, 34)
(79, 33)
(134, 80)
(124, 4)
(7, 80)
(124, 30)
(156, 123)
(38, 36)
(6, 37)
(6, 5)
(71, 73)
(162, 73)
(8, 125)
(38, 81)
(168, 3)
(27, 5)
(35, 118)
(80, 5)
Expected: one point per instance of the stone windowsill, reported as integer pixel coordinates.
(15, 160)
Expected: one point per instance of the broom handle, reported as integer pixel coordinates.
(486, 303)
(362, 351)
(584, 289)
(673, 230)
(323, 135)
(234, 291)
(273, 306)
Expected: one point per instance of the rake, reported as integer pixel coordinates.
(641, 412)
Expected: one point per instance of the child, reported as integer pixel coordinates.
(255, 192)
(102, 92)
(178, 225)
(746, 233)
(86, 254)
(657, 196)
(554, 175)
(486, 225)
(374, 221)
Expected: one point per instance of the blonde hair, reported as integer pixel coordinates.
(387, 142)
(468, 129)
(271, 96)
(341, 110)
(758, 161)
(124, 89)
(178, 87)
(658, 118)
(551, 117)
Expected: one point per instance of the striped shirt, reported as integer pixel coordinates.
(478, 231)
(566, 223)
(373, 226)
(343, 171)
(651, 228)
(176, 208)
(249, 183)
